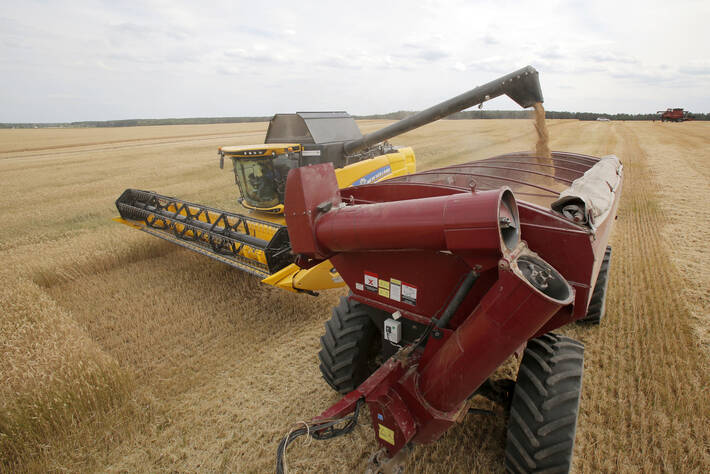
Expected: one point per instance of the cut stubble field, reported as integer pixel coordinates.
(119, 352)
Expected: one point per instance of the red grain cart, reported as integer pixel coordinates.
(451, 272)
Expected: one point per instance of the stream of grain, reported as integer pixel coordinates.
(542, 146)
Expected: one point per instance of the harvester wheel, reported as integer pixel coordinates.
(543, 414)
(348, 348)
(597, 305)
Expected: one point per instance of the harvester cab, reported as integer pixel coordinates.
(260, 173)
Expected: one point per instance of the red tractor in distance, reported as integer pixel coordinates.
(674, 115)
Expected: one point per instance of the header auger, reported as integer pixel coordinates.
(257, 242)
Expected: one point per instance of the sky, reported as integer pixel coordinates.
(63, 61)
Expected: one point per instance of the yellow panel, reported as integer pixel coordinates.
(321, 277)
(283, 278)
(293, 278)
(402, 162)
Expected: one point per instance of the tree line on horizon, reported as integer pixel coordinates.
(467, 115)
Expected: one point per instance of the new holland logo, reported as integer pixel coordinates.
(373, 176)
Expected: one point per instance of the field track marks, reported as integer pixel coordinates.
(681, 165)
(644, 404)
(694, 149)
(124, 144)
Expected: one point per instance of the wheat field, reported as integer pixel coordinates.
(119, 352)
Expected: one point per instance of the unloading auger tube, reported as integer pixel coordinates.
(432, 249)
(523, 86)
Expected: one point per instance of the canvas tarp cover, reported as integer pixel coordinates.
(589, 198)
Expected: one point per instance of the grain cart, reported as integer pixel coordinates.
(452, 271)
(257, 241)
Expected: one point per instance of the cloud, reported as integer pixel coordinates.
(158, 58)
(133, 29)
(422, 51)
(15, 43)
(132, 33)
(256, 31)
(338, 62)
(493, 64)
(611, 57)
(432, 54)
(255, 55)
(696, 68)
(102, 65)
(554, 52)
(489, 40)
(62, 96)
(295, 57)
(132, 58)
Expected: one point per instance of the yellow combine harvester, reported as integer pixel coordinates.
(258, 242)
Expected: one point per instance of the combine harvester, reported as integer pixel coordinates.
(257, 242)
(675, 115)
(451, 272)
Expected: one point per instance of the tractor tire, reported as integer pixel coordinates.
(597, 304)
(349, 346)
(543, 413)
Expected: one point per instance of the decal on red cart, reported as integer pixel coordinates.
(409, 294)
(384, 288)
(386, 434)
(395, 289)
(371, 281)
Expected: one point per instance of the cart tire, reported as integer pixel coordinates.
(347, 353)
(543, 413)
(597, 305)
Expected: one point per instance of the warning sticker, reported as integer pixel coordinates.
(395, 289)
(335, 276)
(386, 434)
(371, 281)
(409, 294)
(384, 288)
(359, 287)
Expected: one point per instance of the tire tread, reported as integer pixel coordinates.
(597, 304)
(344, 346)
(542, 424)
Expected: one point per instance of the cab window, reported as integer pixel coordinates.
(263, 180)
